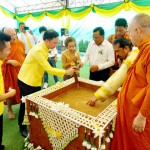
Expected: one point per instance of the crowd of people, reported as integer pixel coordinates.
(26, 61)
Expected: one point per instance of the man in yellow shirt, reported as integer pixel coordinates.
(4, 52)
(33, 68)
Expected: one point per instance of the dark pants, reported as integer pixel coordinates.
(1, 128)
(24, 90)
(53, 64)
(100, 75)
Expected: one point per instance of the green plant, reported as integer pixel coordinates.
(83, 45)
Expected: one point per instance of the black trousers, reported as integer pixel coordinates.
(100, 75)
(1, 128)
(24, 90)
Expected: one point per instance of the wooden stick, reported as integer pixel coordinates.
(76, 79)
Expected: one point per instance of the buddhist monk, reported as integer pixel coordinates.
(11, 67)
(133, 111)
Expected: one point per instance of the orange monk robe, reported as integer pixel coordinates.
(112, 37)
(134, 97)
(10, 73)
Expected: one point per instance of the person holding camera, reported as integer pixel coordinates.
(27, 38)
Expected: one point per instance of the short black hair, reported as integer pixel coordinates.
(42, 28)
(123, 42)
(121, 22)
(70, 39)
(50, 34)
(21, 23)
(3, 38)
(100, 29)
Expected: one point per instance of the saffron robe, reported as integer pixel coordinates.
(10, 73)
(112, 37)
(134, 97)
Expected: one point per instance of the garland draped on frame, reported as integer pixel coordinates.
(105, 10)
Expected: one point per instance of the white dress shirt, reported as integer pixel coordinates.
(52, 52)
(22, 37)
(63, 38)
(102, 55)
(40, 38)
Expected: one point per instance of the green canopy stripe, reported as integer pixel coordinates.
(105, 10)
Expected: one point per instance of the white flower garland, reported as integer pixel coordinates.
(30, 146)
(98, 131)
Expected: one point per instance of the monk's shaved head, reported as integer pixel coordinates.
(12, 33)
(139, 29)
(142, 21)
(9, 30)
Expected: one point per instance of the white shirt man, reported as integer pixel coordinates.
(32, 38)
(100, 55)
(63, 38)
(27, 38)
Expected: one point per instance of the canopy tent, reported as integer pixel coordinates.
(25, 6)
(55, 9)
(79, 16)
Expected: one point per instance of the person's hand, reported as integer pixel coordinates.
(80, 65)
(55, 59)
(75, 59)
(112, 71)
(139, 123)
(12, 92)
(70, 71)
(94, 68)
(72, 64)
(77, 71)
(13, 63)
(30, 31)
(92, 101)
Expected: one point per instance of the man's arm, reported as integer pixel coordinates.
(34, 37)
(111, 38)
(42, 60)
(5, 96)
(114, 82)
(12, 62)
